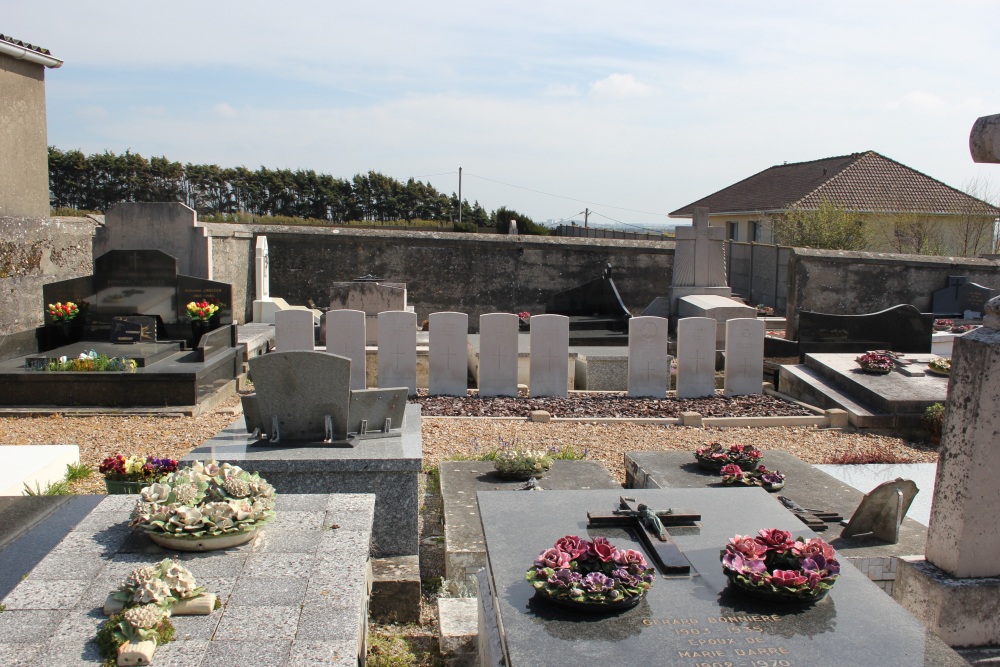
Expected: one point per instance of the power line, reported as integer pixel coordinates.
(443, 173)
(627, 224)
(549, 194)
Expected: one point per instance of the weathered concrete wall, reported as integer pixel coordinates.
(470, 273)
(168, 226)
(850, 283)
(33, 252)
(24, 158)
(232, 262)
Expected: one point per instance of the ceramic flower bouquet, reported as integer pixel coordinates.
(592, 575)
(772, 566)
(521, 463)
(771, 480)
(875, 363)
(714, 456)
(189, 508)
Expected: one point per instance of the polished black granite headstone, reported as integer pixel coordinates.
(974, 297)
(901, 328)
(945, 300)
(688, 621)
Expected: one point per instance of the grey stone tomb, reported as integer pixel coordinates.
(684, 621)
(498, 354)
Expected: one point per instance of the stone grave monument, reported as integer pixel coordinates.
(371, 296)
(397, 350)
(698, 286)
(696, 357)
(449, 355)
(648, 361)
(345, 336)
(549, 355)
(265, 306)
(744, 357)
(498, 354)
(597, 315)
(955, 589)
(687, 620)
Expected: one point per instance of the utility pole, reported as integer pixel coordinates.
(459, 195)
(586, 214)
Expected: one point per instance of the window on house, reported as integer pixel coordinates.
(755, 231)
(733, 231)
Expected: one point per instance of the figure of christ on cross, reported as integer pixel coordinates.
(646, 522)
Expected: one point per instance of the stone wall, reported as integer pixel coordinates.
(470, 273)
(24, 159)
(33, 252)
(850, 283)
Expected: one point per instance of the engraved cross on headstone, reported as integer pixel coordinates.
(666, 555)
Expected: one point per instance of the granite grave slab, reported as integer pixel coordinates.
(461, 480)
(691, 620)
(973, 297)
(295, 595)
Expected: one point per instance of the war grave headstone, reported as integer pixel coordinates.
(688, 620)
(297, 594)
(294, 331)
(498, 354)
(464, 545)
(371, 296)
(744, 357)
(345, 336)
(141, 287)
(449, 354)
(549, 355)
(648, 361)
(811, 489)
(397, 350)
(696, 357)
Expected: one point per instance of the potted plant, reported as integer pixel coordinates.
(714, 456)
(875, 363)
(962, 328)
(776, 568)
(523, 320)
(128, 474)
(939, 366)
(592, 576)
(769, 480)
(933, 422)
(200, 313)
(521, 463)
(207, 506)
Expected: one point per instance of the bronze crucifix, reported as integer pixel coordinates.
(665, 553)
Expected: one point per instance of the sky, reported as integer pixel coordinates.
(629, 109)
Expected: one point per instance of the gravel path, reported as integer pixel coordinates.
(99, 437)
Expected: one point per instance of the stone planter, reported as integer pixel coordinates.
(120, 487)
(204, 543)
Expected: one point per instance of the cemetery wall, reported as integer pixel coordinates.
(232, 262)
(852, 283)
(469, 273)
(35, 251)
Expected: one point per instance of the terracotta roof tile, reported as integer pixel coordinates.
(858, 182)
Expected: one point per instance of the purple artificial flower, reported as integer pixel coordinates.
(730, 469)
(627, 580)
(595, 582)
(565, 579)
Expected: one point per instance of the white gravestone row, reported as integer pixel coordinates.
(498, 354)
(696, 357)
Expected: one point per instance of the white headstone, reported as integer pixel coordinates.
(744, 356)
(699, 259)
(345, 336)
(513, 227)
(449, 356)
(648, 361)
(293, 331)
(548, 374)
(498, 354)
(397, 350)
(695, 357)
(262, 270)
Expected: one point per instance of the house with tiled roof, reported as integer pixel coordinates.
(24, 157)
(905, 210)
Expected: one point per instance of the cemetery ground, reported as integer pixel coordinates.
(449, 438)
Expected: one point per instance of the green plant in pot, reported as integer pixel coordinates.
(933, 421)
(521, 463)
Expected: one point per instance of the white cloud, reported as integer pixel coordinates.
(561, 90)
(224, 110)
(619, 87)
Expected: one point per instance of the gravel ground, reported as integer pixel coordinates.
(99, 437)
